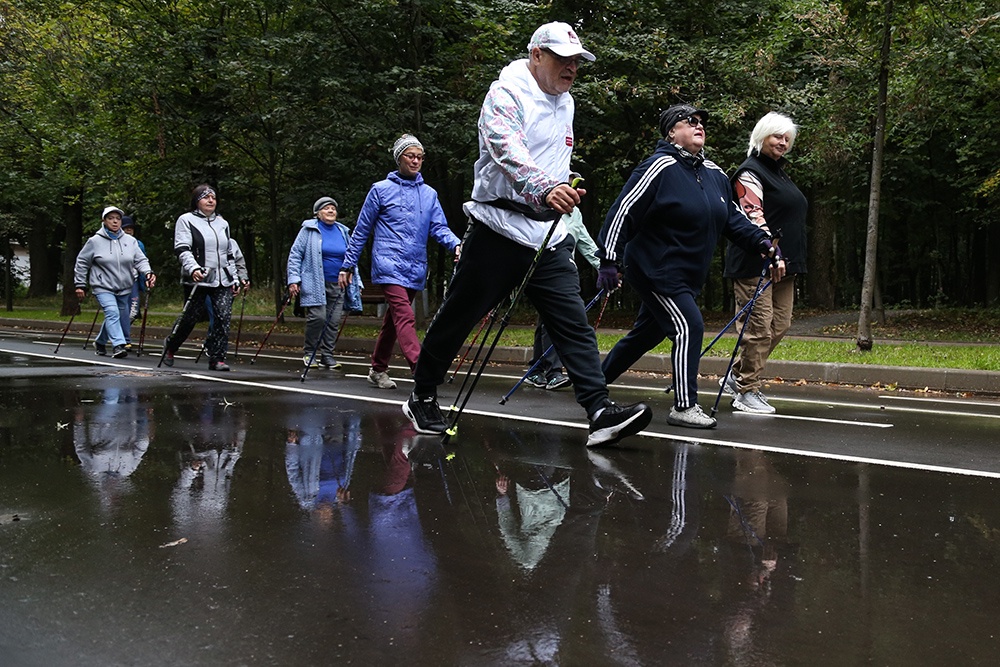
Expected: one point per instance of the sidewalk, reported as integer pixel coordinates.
(903, 377)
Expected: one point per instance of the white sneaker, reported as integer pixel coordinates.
(728, 385)
(754, 402)
(693, 417)
(380, 379)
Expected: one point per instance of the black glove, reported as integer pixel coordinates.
(771, 251)
(607, 278)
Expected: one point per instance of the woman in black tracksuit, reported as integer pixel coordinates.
(661, 232)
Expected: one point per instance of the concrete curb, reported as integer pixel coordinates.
(948, 380)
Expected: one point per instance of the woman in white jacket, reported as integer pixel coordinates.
(109, 263)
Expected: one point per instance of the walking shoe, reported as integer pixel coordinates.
(102, 350)
(327, 361)
(425, 414)
(380, 379)
(309, 361)
(218, 366)
(618, 421)
(536, 380)
(558, 381)
(693, 417)
(754, 402)
(119, 352)
(728, 385)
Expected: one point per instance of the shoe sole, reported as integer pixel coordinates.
(416, 426)
(611, 435)
(750, 411)
(119, 356)
(686, 424)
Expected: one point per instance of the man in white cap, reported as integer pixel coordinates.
(521, 189)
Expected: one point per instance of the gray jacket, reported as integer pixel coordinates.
(110, 264)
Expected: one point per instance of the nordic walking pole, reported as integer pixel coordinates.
(142, 329)
(319, 344)
(239, 327)
(288, 297)
(726, 328)
(736, 347)
(471, 345)
(92, 325)
(504, 321)
(177, 322)
(538, 362)
(66, 330)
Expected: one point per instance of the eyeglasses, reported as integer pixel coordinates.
(565, 61)
(412, 156)
(694, 121)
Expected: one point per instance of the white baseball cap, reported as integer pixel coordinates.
(560, 39)
(111, 209)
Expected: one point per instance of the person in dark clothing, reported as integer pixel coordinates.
(771, 200)
(662, 231)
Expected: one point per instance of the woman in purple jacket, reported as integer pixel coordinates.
(401, 212)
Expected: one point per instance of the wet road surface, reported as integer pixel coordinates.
(176, 517)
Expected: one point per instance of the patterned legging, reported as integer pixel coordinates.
(221, 301)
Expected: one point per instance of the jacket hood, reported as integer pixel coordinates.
(517, 75)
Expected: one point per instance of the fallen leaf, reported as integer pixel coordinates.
(174, 543)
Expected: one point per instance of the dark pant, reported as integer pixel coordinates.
(676, 317)
(543, 343)
(217, 342)
(490, 268)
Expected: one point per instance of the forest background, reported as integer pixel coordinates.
(276, 103)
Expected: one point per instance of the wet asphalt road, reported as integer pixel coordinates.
(177, 517)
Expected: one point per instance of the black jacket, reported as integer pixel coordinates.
(667, 221)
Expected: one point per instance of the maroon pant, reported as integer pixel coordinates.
(399, 324)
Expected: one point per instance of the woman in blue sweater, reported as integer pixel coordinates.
(661, 233)
(313, 269)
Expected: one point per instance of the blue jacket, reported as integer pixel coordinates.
(667, 221)
(403, 215)
(305, 266)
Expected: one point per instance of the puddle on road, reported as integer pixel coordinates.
(250, 527)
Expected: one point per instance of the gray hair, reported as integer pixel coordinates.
(772, 123)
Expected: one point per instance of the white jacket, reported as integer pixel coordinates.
(525, 146)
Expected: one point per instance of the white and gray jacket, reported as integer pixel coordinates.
(203, 243)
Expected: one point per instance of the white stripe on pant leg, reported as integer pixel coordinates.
(682, 340)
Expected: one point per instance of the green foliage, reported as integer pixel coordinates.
(132, 103)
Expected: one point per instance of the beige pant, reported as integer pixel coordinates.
(769, 321)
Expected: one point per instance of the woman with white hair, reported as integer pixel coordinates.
(771, 200)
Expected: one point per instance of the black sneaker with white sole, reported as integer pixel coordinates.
(618, 421)
(425, 414)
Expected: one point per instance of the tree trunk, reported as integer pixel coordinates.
(822, 276)
(864, 340)
(73, 218)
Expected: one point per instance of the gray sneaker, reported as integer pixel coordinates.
(693, 417)
(380, 379)
(309, 361)
(728, 385)
(754, 402)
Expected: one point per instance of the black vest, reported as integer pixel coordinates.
(785, 209)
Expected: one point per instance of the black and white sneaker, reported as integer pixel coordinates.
(618, 421)
(536, 380)
(119, 352)
(425, 414)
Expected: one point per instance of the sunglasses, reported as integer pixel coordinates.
(693, 121)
